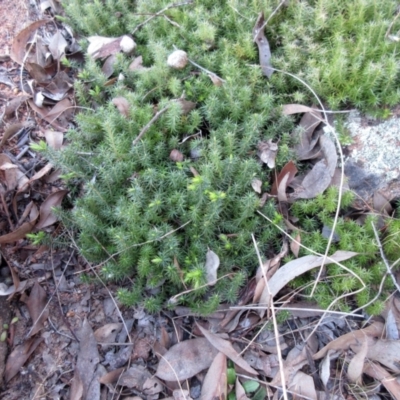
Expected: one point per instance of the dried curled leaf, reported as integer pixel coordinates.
(18, 49)
(226, 347)
(267, 152)
(122, 105)
(256, 184)
(212, 264)
(186, 359)
(263, 46)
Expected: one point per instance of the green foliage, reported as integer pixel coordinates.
(317, 213)
(154, 219)
(340, 49)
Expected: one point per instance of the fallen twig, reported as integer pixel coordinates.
(157, 14)
(148, 125)
(203, 69)
(273, 314)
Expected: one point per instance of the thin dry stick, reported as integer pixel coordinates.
(148, 125)
(141, 244)
(384, 259)
(278, 346)
(316, 310)
(269, 19)
(23, 64)
(391, 24)
(203, 69)
(206, 70)
(176, 375)
(157, 14)
(3, 202)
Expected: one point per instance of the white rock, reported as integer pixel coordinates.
(178, 59)
(127, 44)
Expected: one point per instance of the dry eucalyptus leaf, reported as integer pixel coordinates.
(19, 356)
(58, 87)
(42, 172)
(186, 359)
(282, 188)
(187, 106)
(54, 139)
(356, 365)
(263, 46)
(386, 352)
(392, 332)
(18, 49)
(212, 264)
(289, 109)
(307, 148)
(135, 377)
(86, 364)
(295, 244)
(267, 152)
(295, 268)
(390, 382)
(216, 80)
(107, 333)
(15, 177)
(112, 376)
(108, 66)
(38, 73)
(215, 382)
(181, 394)
(256, 184)
(99, 42)
(122, 105)
(47, 216)
(25, 228)
(325, 368)
(57, 45)
(315, 182)
(14, 104)
(103, 47)
(226, 347)
(136, 64)
(57, 110)
(10, 131)
(344, 342)
(290, 169)
(152, 386)
(303, 385)
(239, 391)
(36, 304)
(295, 360)
(329, 151)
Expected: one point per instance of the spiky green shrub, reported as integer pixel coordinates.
(152, 220)
(313, 215)
(340, 48)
